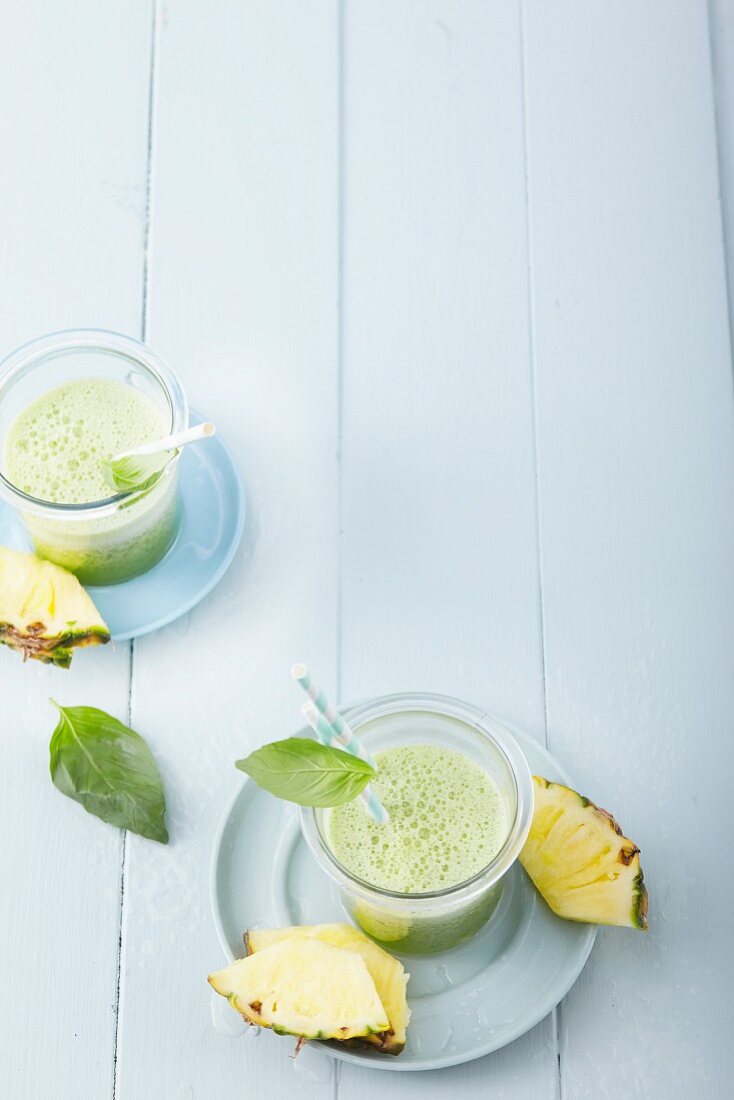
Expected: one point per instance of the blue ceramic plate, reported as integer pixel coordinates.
(212, 520)
(466, 1002)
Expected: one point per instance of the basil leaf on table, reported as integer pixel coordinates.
(307, 772)
(109, 770)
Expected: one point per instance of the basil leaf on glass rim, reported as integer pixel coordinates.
(109, 770)
(135, 472)
(307, 772)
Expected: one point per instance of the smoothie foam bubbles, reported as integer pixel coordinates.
(54, 446)
(447, 822)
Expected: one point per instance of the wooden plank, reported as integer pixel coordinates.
(72, 194)
(636, 456)
(243, 304)
(439, 549)
(73, 189)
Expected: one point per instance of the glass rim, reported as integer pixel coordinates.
(54, 344)
(485, 725)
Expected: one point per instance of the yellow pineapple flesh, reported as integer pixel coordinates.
(580, 861)
(386, 971)
(305, 988)
(44, 612)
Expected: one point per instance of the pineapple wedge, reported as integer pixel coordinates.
(305, 988)
(44, 612)
(580, 861)
(387, 972)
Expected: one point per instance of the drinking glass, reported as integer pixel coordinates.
(426, 923)
(104, 541)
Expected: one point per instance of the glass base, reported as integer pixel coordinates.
(418, 935)
(108, 560)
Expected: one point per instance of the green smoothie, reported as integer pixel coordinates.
(52, 452)
(53, 447)
(448, 821)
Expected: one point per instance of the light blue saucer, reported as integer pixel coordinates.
(465, 1003)
(212, 521)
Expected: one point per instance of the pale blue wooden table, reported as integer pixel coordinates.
(451, 279)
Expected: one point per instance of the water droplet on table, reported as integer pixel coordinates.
(434, 1035)
(314, 1065)
(444, 975)
(225, 1020)
(299, 907)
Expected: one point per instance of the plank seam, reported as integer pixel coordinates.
(716, 64)
(556, 1021)
(557, 1025)
(152, 119)
(150, 144)
(118, 985)
(340, 220)
(339, 343)
(121, 908)
(533, 371)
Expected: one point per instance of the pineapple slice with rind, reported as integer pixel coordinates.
(386, 971)
(44, 612)
(305, 988)
(580, 861)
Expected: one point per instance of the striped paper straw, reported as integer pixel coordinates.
(326, 733)
(345, 734)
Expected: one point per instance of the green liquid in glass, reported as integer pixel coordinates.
(447, 822)
(52, 452)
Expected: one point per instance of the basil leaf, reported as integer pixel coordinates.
(307, 772)
(109, 769)
(136, 472)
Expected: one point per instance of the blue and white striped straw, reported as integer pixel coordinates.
(328, 724)
(345, 735)
(327, 735)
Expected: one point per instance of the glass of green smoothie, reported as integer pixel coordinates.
(459, 794)
(67, 401)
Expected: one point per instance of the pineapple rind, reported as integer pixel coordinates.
(44, 612)
(581, 862)
(386, 971)
(308, 989)
(640, 902)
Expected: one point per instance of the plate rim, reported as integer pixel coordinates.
(425, 1064)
